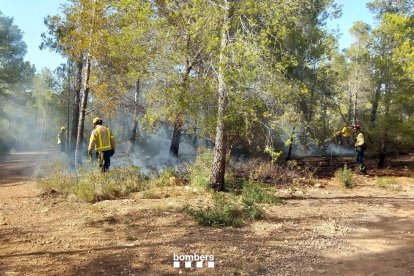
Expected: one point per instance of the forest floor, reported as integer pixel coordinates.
(320, 229)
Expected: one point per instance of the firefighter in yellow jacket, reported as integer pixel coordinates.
(61, 139)
(103, 142)
(360, 147)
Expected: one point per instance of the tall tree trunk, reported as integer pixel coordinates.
(75, 108)
(175, 140)
(81, 124)
(133, 137)
(375, 104)
(219, 163)
(383, 150)
(179, 120)
(68, 94)
(384, 142)
(290, 149)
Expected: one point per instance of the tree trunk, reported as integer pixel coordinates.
(81, 124)
(219, 163)
(133, 137)
(68, 94)
(175, 140)
(375, 103)
(75, 108)
(179, 121)
(382, 154)
(290, 149)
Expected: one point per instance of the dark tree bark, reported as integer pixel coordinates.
(383, 151)
(133, 137)
(289, 154)
(179, 121)
(75, 108)
(175, 140)
(375, 104)
(219, 163)
(81, 124)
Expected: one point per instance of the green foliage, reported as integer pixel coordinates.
(118, 182)
(385, 182)
(12, 51)
(227, 210)
(344, 175)
(55, 177)
(90, 186)
(164, 178)
(258, 193)
(199, 171)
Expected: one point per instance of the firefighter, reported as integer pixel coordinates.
(360, 147)
(103, 142)
(343, 136)
(346, 134)
(61, 139)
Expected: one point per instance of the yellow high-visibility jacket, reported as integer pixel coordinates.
(360, 140)
(61, 137)
(346, 132)
(101, 139)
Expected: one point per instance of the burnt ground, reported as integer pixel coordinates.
(317, 230)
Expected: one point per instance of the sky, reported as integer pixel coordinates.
(28, 16)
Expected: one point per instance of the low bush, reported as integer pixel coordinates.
(199, 171)
(226, 210)
(95, 186)
(259, 170)
(55, 177)
(258, 193)
(163, 179)
(385, 182)
(344, 176)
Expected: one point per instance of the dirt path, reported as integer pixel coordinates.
(316, 231)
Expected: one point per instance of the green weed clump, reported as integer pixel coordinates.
(55, 177)
(385, 182)
(258, 193)
(344, 175)
(227, 210)
(199, 171)
(118, 182)
(163, 178)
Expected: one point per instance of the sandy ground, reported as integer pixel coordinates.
(315, 231)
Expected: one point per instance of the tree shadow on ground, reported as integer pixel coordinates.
(385, 247)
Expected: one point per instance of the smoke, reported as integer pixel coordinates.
(151, 152)
(339, 150)
(328, 149)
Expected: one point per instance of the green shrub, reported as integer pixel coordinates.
(385, 182)
(55, 177)
(227, 210)
(164, 178)
(94, 186)
(199, 171)
(344, 175)
(86, 191)
(258, 193)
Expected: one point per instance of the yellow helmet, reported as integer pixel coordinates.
(96, 120)
(62, 128)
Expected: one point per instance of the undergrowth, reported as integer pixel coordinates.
(54, 177)
(229, 209)
(226, 210)
(385, 182)
(344, 175)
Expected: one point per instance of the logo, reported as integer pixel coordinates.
(194, 260)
